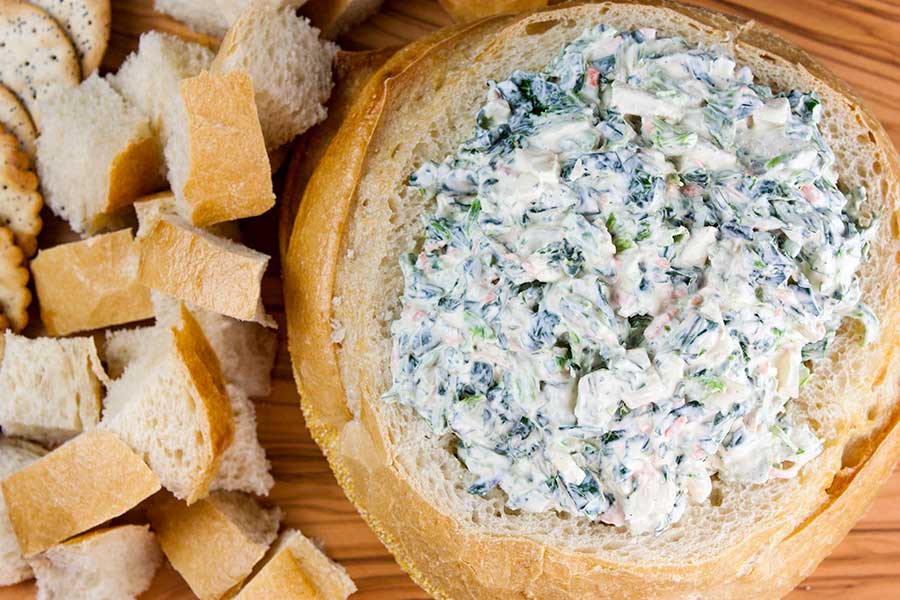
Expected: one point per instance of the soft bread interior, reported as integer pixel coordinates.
(244, 466)
(113, 563)
(89, 137)
(246, 351)
(149, 78)
(850, 397)
(290, 68)
(169, 404)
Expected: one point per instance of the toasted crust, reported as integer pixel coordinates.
(81, 484)
(469, 10)
(296, 568)
(229, 173)
(136, 171)
(281, 577)
(210, 551)
(198, 268)
(90, 284)
(206, 374)
(446, 553)
(351, 71)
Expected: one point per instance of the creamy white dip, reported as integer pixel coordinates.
(629, 271)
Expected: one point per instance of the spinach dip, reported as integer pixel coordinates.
(628, 272)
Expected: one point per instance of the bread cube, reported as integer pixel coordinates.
(50, 389)
(96, 154)
(118, 562)
(296, 568)
(80, 485)
(215, 152)
(203, 269)
(169, 404)
(215, 542)
(91, 284)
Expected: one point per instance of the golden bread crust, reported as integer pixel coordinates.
(210, 551)
(351, 71)
(469, 10)
(281, 577)
(136, 171)
(229, 173)
(90, 284)
(206, 374)
(184, 263)
(81, 484)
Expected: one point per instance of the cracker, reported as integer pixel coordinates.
(20, 211)
(15, 164)
(14, 118)
(36, 56)
(14, 294)
(87, 22)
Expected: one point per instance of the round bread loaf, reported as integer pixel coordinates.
(342, 286)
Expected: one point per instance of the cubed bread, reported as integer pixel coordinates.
(115, 563)
(244, 466)
(15, 454)
(296, 568)
(96, 154)
(203, 16)
(150, 208)
(215, 151)
(289, 65)
(213, 17)
(203, 269)
(149, 77)
(232, 9)
(91, 284)
(80, 485)
(214, 543)
(246, 350)
(334, 17)
(50, 387)
(170, 405)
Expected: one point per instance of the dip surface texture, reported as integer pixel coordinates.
(629, 272)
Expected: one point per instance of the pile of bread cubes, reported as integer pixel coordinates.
(122, 445)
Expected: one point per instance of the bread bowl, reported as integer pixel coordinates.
(350, 229)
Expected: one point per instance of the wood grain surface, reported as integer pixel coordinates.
(857, 39)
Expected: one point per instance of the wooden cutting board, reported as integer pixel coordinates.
(857, 39)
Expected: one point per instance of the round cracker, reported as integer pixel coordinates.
(87, 22)
(20, 211)
(14, 293)
(14, 118)
(36, 56)
(15, 165)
